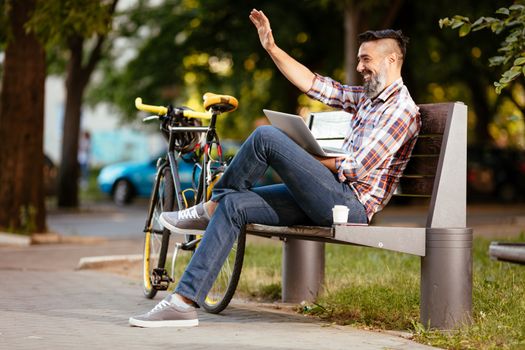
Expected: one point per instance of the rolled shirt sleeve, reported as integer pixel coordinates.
(335, 94)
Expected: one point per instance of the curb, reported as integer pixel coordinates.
(94, 262)
(17, 240)
(12, 239)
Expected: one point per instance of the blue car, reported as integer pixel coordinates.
(127, 180)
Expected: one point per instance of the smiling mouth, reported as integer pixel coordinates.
(366, 74)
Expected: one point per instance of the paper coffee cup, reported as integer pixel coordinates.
(340, 214)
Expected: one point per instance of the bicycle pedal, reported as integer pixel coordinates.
(191, 245)
(160, 280)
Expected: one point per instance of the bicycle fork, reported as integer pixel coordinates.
(160, 279)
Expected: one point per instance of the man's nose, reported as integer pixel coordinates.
(359, 67)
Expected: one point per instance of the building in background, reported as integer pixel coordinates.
(111, 140)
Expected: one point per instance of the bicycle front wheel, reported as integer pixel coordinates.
(154, 236)
(225, 285)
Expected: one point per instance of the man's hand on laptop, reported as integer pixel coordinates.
(327, 162)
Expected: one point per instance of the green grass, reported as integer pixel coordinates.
(261, 272)
(378, 289)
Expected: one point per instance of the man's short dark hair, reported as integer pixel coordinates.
(397, 35)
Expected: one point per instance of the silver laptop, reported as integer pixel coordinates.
(295, 127)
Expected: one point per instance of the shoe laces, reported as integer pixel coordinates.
(160, 306)
(190, 213)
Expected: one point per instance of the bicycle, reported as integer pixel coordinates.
(183, 133)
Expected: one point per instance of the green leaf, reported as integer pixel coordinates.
(461, 18)
(478, 22)
(519, 61)
(444, 22)
(456, 24)
(464, 30)
(511, 74)
(523, 70)
(496, 60)
(503, 11)
(516, 7)
(495, 26)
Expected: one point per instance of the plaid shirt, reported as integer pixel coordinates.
(381, 138)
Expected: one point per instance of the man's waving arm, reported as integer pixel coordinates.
(294, 71)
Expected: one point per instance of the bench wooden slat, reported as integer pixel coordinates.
(308, 231)
(422, 165)
(416, 185)
(428, 144)
(434, 117)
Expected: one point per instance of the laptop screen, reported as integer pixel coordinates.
(330, 128)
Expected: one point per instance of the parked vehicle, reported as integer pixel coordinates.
(127, 180)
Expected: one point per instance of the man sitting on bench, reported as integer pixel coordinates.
(383, 132)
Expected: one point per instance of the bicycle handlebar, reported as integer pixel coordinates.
(161, 110)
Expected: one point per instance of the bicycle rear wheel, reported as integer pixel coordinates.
(225, 285)
(164, 201)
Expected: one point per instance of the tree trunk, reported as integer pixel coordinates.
(351, 24)
(22, 207)
(356, 20)
(76, 82)
(78, 75)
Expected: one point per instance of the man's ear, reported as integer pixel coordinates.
(392, 57)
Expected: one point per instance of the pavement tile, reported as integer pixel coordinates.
(46, 304)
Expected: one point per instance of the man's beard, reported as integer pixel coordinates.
(376, 84)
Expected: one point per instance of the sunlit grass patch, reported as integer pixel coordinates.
(379, 289)
(261, 272)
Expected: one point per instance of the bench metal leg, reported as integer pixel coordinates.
(446, 278)
(303, 270)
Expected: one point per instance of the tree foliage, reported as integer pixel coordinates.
(441, 68)
(512, 49)
(185, 48)
(55, 21)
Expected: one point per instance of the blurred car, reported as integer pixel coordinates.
(127, 180)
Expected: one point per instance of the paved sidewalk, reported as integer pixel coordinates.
(46, 304)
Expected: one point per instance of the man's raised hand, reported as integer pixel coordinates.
(264, 30)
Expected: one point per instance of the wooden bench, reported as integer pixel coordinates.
(437, 171)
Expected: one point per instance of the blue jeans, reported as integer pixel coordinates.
(307, 195)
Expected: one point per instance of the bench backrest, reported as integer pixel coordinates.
(448, 205)
(438, 164)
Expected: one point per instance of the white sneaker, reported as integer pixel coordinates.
(193, 220)
(166, 314)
